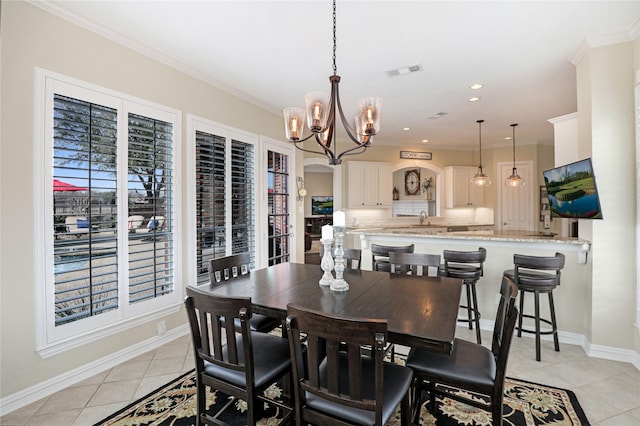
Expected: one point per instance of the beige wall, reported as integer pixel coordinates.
(33, 38)
(606, 133)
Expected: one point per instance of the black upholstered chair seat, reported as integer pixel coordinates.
(271, 360)
(396, 381)
(261, 323)
(469, 363)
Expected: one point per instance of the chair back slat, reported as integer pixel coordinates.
(414, 263)
(335, 368)
(508, 294)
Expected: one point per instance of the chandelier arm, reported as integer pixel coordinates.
(345, 123)
(362, 146)
(295, 143)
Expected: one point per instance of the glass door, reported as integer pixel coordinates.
(278, 200)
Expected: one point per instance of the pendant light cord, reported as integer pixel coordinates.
(480, 139)
(513, 139)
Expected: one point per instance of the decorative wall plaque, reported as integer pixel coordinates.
(411, 155)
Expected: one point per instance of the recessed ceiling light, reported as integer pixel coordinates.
(406, 128)
(507, 138)
(425, 140)
(476, 86)
(474, 99)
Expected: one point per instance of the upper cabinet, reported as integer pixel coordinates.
(459, 190)
(370, 184)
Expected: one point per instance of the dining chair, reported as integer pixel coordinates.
(537, 275)
(468, 266)
(334, 383)
(414, 263)
(470, 366)
(234, 266)
(380, 255)
(352, 257)
(226, 360)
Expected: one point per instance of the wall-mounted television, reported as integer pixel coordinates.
(572, 191)
(321, 205)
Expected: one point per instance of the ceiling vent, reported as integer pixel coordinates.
(437, 115)
(404, 70)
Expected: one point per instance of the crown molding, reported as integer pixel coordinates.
(56, 9)
(605, 40)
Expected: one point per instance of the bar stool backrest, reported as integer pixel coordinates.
(380, 255)
(464, 263)
(527, 270)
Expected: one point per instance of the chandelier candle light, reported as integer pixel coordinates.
(339, 222)
(321, 118)
(480, 179)
(514, 180)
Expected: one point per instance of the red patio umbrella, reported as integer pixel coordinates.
(59, 186)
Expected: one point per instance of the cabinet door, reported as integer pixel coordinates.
(385, 185)
(356, 184)
(370, 184)
(460, 192)
(461, 183)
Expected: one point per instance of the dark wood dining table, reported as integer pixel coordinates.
(420, 311)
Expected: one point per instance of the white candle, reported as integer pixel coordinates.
(327, 232)
(339, 218)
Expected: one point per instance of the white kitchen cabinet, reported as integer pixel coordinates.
(459, 191)
(370, 184)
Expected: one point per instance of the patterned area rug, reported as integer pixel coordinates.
(525, 403)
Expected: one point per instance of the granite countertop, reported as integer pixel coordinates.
(484, 235)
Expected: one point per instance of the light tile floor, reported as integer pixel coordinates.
(608, 391)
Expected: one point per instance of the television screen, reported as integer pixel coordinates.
(321, 205)
(572, 191)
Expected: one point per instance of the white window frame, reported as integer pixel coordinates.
(51, 340)
(195, 124)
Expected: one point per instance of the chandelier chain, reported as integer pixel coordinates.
(335, 68)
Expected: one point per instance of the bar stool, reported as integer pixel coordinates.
(468, 266)
(528, 277)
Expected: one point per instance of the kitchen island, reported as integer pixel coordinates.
(571, 296)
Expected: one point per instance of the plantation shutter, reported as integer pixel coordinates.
(150, 175)
(84, 209)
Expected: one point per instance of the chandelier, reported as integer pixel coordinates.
(480, 178)
(321, 113)
(514, 180)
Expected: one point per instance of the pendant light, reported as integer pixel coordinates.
(323, 112)
(480, 178)
(514, 180)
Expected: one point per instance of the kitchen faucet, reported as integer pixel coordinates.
(423, 216)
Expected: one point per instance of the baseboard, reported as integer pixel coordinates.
(593, 351)
(48, 387)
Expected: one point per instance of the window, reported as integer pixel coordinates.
(224, 194)
(107, 179)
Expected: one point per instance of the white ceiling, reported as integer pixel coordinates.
(274, 52)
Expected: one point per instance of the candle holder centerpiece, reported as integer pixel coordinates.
(339, 284)
(326, 263)
(339, 222)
